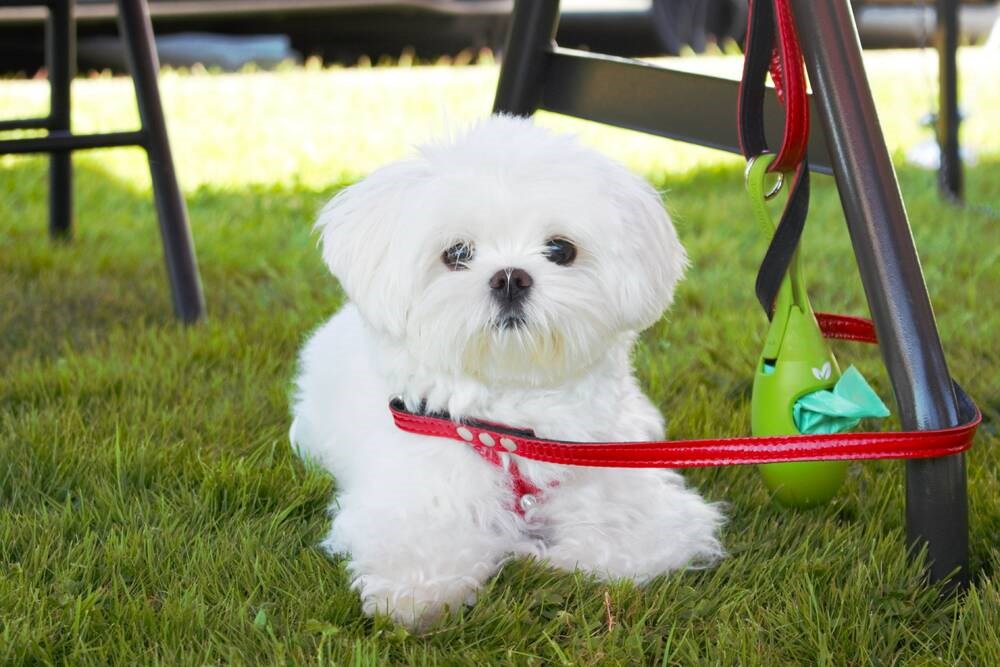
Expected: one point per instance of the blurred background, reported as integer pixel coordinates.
(229, 34)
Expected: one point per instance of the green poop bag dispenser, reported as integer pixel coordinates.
(795, 361)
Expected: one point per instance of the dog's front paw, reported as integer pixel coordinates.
(425, 569)
(632, 524)
(415, 604)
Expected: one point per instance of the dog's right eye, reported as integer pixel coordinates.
(458, 256)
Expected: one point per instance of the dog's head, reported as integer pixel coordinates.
(509, 254)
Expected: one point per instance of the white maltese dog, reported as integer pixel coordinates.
(502, 276)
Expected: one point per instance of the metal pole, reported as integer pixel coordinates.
(532, 34)
(137, 31)
(948, 120)
(936, 508)
(60, 57)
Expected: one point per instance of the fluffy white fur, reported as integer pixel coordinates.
(425, 521)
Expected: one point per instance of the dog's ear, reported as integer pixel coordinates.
(649, 258)
(362, 232)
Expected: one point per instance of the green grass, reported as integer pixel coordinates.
(153, 513)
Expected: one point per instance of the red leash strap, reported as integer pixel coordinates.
(847, 327)
(500, 441)
(772, 44)
(790, 83)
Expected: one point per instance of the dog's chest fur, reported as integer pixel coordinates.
(602, 403)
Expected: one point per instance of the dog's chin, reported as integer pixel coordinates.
(510, 323)
(513, 351)
(508, 347)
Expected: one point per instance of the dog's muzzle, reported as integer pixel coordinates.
(510, 288)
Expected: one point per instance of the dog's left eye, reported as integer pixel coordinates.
(560, 251)
(458, 256)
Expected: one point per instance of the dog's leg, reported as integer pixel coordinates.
(418, 543)
(634, 524)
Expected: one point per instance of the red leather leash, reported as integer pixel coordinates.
(497, 443)
(772, 44)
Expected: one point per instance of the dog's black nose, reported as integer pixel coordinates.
(510, 285)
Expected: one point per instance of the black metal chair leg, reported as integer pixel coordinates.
(61, 62)
(948, 119)
(532, 33)
(937, 513)
(137, 32)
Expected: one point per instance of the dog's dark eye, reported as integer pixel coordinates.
(458, 256)
(560, 251)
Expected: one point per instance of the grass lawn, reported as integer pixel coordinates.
(152, 511)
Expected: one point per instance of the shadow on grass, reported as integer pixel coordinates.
(253, 247)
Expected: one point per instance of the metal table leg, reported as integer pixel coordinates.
(948, 120)
(178, 247)
(60, 56)
(936, 507)
(532, 34)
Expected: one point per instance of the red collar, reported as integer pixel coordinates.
(496, 450)
(493, 442)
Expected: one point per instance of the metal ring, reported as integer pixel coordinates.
(746, 170)
(777, 186)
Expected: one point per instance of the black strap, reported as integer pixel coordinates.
(758, 47)
(786, 237)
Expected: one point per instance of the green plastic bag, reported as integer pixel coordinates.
(850, 401)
